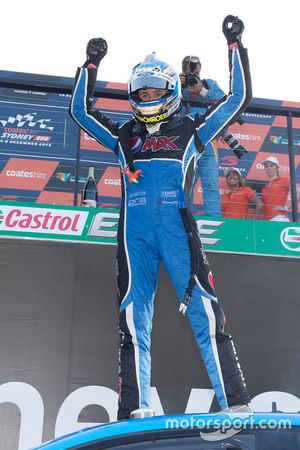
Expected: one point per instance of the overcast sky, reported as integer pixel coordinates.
(50, 38)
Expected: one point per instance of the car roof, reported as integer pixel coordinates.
(161, 424)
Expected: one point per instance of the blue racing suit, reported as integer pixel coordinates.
(156, 225)
(208, 160)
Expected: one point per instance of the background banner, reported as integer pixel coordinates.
(78, 224)
(36, 125)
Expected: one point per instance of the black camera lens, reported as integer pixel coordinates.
(191, 79)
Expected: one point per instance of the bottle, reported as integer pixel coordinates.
(89, 192)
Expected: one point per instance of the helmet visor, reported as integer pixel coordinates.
(144, 82)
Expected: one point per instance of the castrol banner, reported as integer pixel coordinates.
(100, 226)
(23, 220)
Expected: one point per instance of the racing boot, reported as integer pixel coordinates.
(142, 413)
(238, 409)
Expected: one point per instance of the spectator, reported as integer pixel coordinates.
(193, 88)
(276, 194)
(236, 201)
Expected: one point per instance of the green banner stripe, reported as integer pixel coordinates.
(94, 225)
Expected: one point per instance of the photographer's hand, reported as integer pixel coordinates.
(233, 28)
(182, 80)
(96, 49)
(196, 88)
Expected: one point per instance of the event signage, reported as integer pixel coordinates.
(99, 226)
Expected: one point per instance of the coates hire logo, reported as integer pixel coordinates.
(42, 221)
(25, 130)
(252, 136)
(290, 238)
(32, 174)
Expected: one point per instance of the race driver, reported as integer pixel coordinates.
(157, 151)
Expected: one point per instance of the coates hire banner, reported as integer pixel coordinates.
(23, 220)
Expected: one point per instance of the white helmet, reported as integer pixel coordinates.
(153, 73)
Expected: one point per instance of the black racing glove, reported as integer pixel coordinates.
(233, 28)
(96, 49)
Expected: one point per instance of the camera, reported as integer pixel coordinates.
(189, 66)
(191, 79)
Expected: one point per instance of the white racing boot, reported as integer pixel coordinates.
(142, 413)
(246, 409)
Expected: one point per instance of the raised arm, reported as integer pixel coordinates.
(92, 121)
(230, 107)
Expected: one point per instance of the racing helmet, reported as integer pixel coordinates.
(153, 73)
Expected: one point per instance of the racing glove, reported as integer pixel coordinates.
(96, 49)
(233, 28)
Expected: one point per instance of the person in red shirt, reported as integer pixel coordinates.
(276, 194)
(236, 201)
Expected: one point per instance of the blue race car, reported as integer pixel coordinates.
(259, 431)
